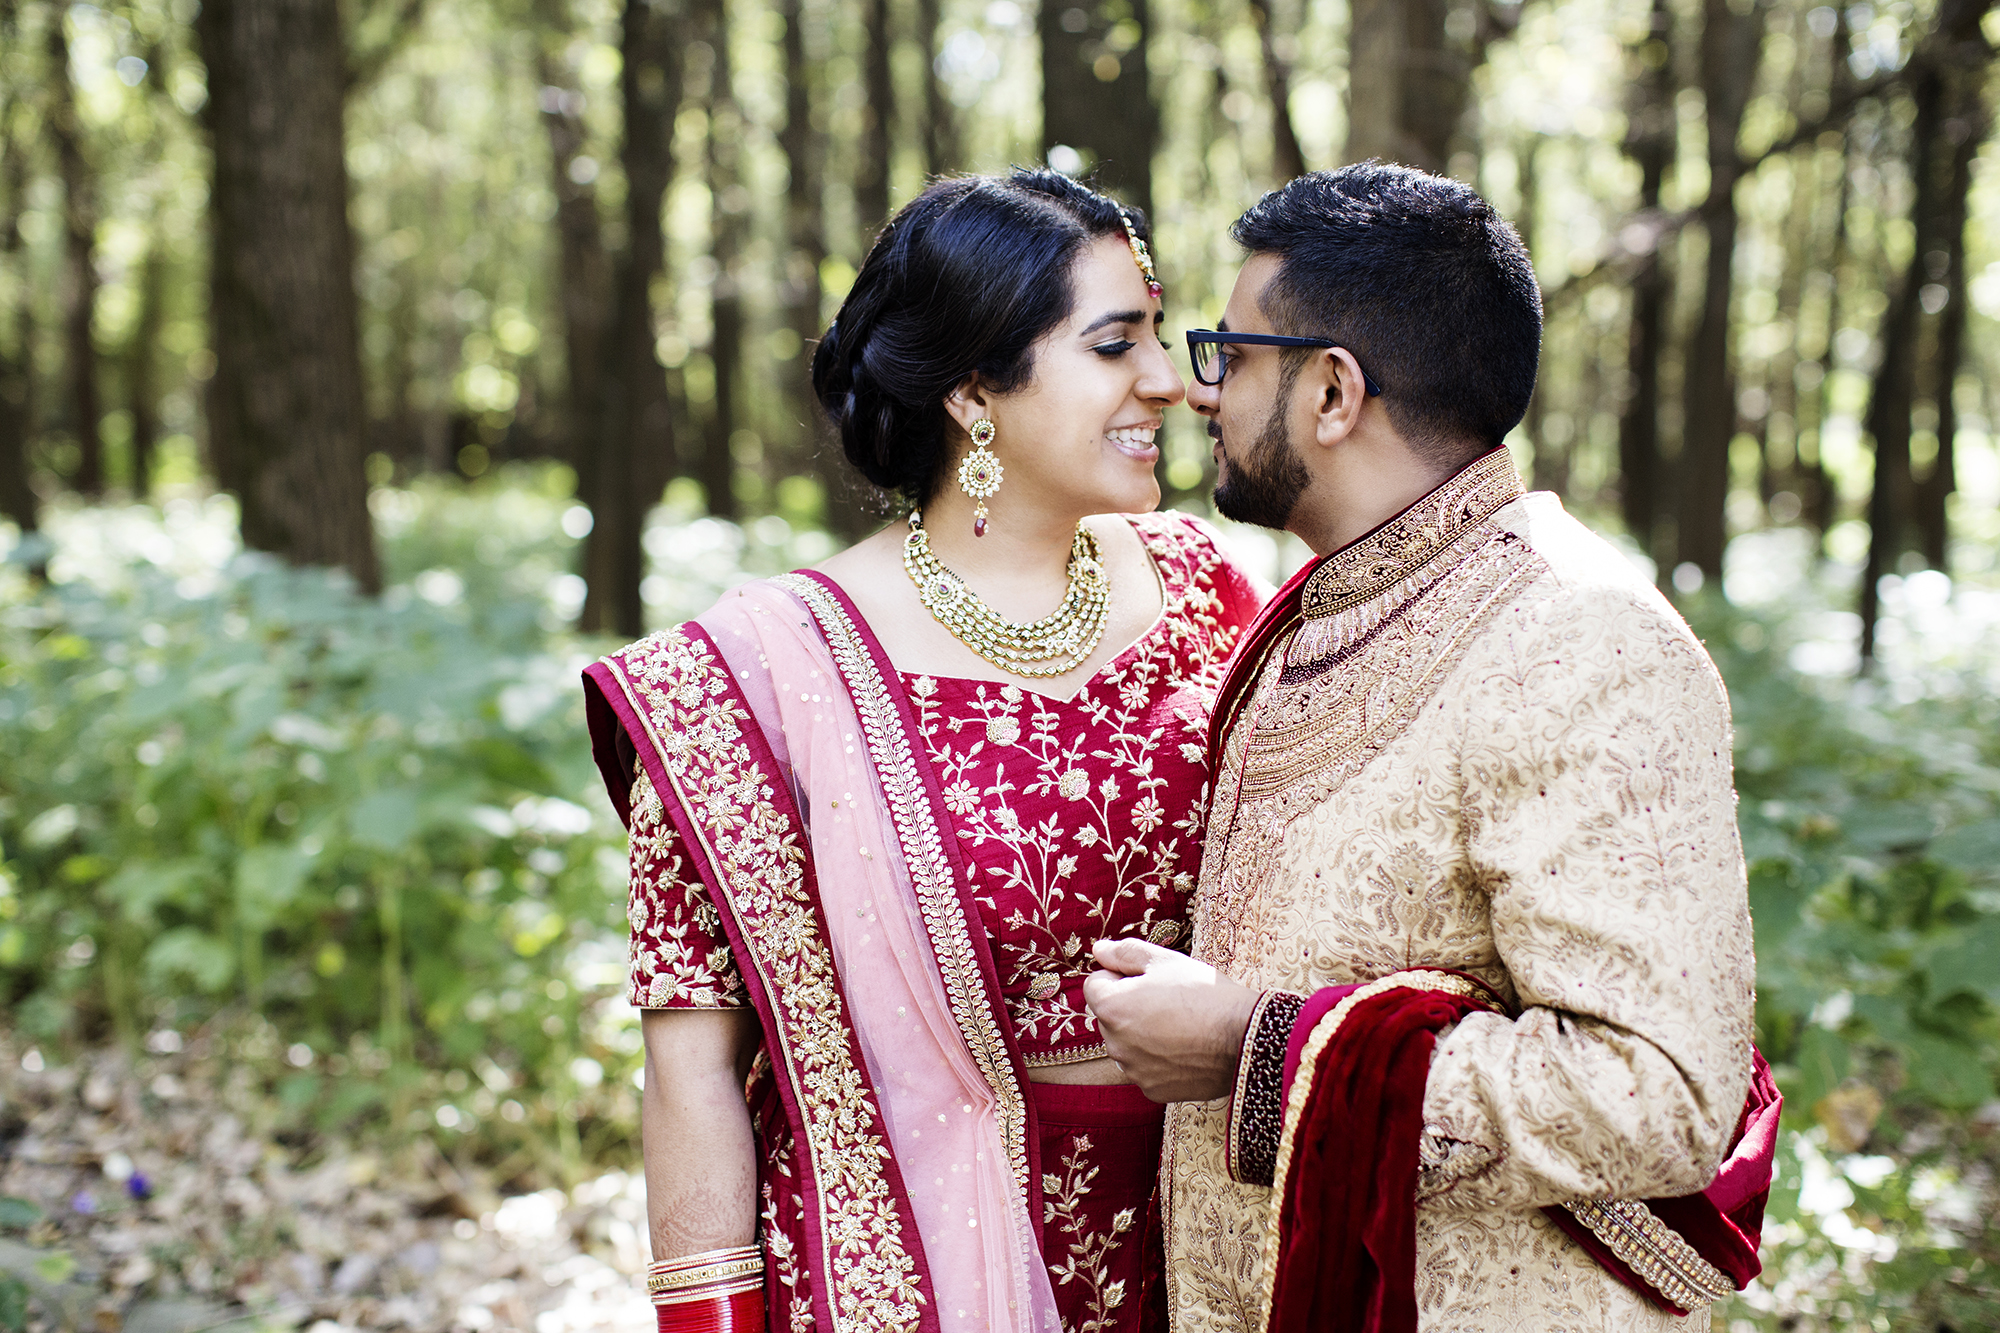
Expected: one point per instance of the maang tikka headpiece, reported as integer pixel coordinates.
(1140, 254)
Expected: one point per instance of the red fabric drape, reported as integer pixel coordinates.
(1348, 1226)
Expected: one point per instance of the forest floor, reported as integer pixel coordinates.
(166, 1205)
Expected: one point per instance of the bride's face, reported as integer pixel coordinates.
(1081, 437)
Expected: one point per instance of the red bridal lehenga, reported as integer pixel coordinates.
(903, 874)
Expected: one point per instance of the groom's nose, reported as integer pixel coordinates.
(1204, 398)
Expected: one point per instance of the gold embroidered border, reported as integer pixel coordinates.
(1653, 1250)
(1301, 1092)
(1412, 539)
(1070, 1055)
(679, 692)
(930, 870)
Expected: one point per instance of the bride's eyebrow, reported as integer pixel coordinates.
(1115, 317)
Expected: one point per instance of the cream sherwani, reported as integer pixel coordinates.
(1489, 746)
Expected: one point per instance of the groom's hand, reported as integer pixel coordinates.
(1174, 1026)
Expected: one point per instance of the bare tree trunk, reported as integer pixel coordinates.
(17, 497)
(871, 175)
(940, 124)
(731, 217)
(285, 406)
(142, 389)
(585, 288)
(1731, 45)
(1288, 160)
(1967, 130)
(1933, 160)
(805, 147)
(638, 443)
(1406, 86)
(1650, 144)
(1097, 95)
(79, 280)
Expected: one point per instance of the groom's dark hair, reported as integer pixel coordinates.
(1423, 281)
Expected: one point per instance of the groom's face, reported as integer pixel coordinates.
(1260, 473)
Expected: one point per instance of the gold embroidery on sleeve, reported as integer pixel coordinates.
(680, 692)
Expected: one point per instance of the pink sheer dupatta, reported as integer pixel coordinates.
(956, 1129)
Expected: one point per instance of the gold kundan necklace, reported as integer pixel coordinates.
(1051, 646)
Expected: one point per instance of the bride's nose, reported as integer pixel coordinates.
(1159, 382)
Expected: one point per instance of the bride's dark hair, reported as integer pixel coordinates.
(966, 278)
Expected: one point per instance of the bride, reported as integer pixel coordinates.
(880, 809)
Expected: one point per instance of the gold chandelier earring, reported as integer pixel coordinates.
(979, 472)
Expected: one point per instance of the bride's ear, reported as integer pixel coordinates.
(968, 402)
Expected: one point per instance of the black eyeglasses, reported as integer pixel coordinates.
(1204, 349)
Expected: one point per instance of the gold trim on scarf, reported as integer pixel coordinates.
(930, 870)
(1301, 1092)
(681, 695)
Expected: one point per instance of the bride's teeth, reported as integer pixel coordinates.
(1137, 436)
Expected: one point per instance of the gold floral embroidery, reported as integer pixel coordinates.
(930, 871)
(1413, 539)
(679, 690)
(1306, 740)
(677, 954)
(1088, 1259)
(784, 1259)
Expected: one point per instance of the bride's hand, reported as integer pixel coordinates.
(1175, 1026)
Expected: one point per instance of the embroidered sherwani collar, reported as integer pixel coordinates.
(1403, 546)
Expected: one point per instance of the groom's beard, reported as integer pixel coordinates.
(1261, 484)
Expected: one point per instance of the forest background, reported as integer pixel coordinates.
(366, 367)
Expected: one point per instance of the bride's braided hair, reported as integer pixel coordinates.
(966, 278)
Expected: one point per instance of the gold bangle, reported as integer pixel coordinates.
(663, 1298)
(702, 1270)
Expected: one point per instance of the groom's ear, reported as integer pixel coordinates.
(1339, 392)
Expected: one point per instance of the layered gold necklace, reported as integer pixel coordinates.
(1057, 643)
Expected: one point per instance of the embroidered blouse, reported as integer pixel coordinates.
(1078, 818)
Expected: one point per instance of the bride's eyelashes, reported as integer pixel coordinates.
(1114, 349)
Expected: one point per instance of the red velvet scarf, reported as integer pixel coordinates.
(1347, 1256)
(1347, 1221)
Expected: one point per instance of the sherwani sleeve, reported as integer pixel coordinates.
(1599, 819)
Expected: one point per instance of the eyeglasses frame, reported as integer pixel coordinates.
(1196, 337)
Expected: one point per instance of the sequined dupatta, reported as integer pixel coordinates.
(781, 750)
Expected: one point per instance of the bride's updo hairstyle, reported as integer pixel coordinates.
(966, 278)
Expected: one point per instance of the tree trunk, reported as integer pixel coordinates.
(1406, 86)
(845, 494)
(1650, 144)
(1731, 45)
(1965, 130)
(142, 388)
(871, 174)
(1288, 160)
(731, 218)
(638, 444)
(285, 405)
(1933, 164)
(1097, 95)
(940, 123)
(79, 269)
(17, 497)
(585, 289)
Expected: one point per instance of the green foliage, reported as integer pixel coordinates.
(374, 823)
(1871, 822)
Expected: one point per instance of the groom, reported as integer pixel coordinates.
(1467, 1031)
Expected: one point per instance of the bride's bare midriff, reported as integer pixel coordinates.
(1099, 1071)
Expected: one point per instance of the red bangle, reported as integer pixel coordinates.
(740, 1312)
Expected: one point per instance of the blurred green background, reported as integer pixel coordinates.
(366, 368)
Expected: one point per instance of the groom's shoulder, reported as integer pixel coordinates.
(1582, 589)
